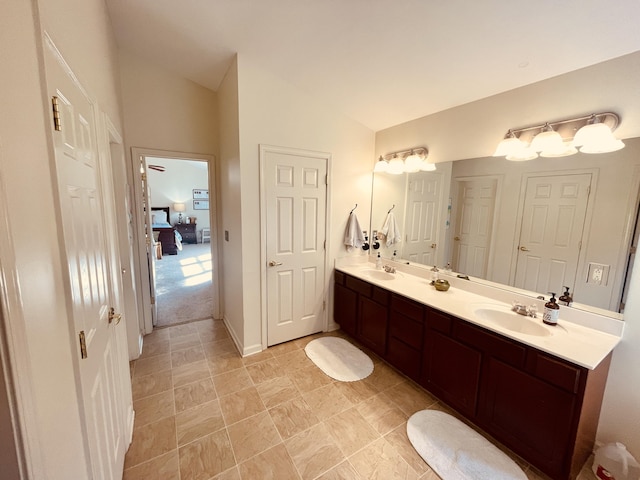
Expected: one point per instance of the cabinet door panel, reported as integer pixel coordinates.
(452, 372)
(530, 416)
(345, 309)
(404, 358)
(372, 325)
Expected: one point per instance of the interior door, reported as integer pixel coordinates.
(422, 217)
(476, 202)
(295, 198)
(553, 219)
(98, 355)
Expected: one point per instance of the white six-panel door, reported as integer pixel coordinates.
(87, 256)
(422, 217)
(295, 197)
(553, 219)
(474, 222)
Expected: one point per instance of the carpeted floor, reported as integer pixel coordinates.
(184, 285)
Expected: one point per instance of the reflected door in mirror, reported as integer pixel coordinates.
(553, 219)
(422, 217)
(476, 202)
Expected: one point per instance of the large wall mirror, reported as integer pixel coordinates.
(538, 225)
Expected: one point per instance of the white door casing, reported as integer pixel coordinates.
(141, 198)
(422, 218)
(294, 215)
(553, 221)
(88, 256)
(473, 230)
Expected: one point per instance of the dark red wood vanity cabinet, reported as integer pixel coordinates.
(406, 332)
(541, 407)
(345, 305)
(364, 310)
(451, 369)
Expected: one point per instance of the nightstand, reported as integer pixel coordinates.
(188, 232)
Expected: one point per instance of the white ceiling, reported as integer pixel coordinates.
(381, 62)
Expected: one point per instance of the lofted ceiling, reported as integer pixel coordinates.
(380, 62)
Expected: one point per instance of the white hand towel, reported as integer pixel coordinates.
(390, 230)
(353, 236)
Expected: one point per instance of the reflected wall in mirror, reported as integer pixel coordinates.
(538, 225)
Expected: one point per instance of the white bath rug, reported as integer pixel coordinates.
(457, 452)
(339, 359)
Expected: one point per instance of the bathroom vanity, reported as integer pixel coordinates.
(536, 390)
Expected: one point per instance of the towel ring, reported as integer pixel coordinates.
(353, 209)
(394, 206)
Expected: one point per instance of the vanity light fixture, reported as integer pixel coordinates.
(396, 165)
(405, 161)
(590, 134)
(381, 165)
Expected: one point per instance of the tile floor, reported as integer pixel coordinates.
(203, 412)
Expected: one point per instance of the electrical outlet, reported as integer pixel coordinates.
(598, 274)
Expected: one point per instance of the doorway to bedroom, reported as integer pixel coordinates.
(178, 232)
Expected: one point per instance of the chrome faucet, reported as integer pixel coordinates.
(389, 269)
(527, 311)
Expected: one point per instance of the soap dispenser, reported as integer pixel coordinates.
(551, 311)
(566, 298)
(434, 275)
(379, 262)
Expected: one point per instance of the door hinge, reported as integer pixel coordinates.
(622, 305)
(324, 246)
(326, 179)
(83, 345)
(633, 250)
(57, 124)
(324, 305)
(144, 176)
(153, 300)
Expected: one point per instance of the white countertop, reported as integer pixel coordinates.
(585, 343)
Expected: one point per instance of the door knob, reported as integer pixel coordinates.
(434, 245)
(273, 263)
(524, 249)
(114, 317)
(457, 239)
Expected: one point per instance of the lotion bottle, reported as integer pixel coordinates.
(379, 262)
(551, 311)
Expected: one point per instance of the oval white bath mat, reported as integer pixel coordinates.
(339, 359)
(457, 452)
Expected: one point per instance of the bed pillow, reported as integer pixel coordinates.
(158, 216)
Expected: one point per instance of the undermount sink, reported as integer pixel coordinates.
(379, 274)
(514, 322)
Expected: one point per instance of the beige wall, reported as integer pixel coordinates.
(164, 111)
(230, 219)
(273, 112)
(474, 130)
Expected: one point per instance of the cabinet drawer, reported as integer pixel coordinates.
(339, 277)
(380, 295)
(407, 330)
(498, 347)
(359, 286)
(407, 307)
(439, 322)
(554, 371)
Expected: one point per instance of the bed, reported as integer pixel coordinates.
(163, 232)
